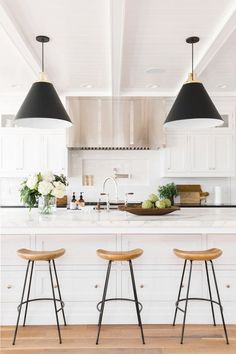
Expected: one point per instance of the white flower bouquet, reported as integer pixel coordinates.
(43, 185)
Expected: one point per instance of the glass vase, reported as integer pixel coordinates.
(47, 204)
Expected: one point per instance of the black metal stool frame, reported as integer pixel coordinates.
(203, 299)
(26, 302)
(101, 304)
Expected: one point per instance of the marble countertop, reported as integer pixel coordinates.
(187, 220)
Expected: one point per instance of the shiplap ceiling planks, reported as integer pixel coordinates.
(104, 47)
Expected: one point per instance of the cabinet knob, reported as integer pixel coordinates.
(96, 286)
(9, 286)
(141, 286)
(182, 286)
(228, 286)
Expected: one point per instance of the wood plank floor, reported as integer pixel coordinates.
(117, 339)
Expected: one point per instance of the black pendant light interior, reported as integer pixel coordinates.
(193, 107)
(42, 107)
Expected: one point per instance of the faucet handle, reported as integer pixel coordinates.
(126, 197)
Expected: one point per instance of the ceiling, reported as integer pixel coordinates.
(118, 47)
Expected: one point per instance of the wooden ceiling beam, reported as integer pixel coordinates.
(15, 35)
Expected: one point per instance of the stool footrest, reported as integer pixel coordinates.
(197, 299)
(119, 299)
(39, 299)
(60, 309)
(179, 308)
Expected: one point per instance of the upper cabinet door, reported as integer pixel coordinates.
(54, 154)
(32, 153)
(223, 155)
(11, 154)
(176, 156)
(199, 152)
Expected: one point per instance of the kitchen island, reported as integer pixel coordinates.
(82, 273)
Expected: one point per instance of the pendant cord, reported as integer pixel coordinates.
(192, 61)
(42, 57)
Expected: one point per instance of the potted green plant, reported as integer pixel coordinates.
(168, 191)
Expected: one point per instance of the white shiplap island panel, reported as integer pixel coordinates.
(82, 273)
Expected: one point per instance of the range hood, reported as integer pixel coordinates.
(107, 123)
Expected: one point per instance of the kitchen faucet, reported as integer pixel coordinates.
(115, 185)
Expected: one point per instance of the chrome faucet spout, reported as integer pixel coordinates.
(115, 185)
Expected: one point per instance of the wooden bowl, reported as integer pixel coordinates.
(138, 210)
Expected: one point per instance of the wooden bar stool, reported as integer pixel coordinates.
(112, 256)
(31, 257)
(205, 256)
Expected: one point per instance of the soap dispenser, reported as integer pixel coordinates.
(73, 205)
(81, 202)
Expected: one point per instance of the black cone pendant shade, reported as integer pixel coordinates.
(42, 107)
(193, 107)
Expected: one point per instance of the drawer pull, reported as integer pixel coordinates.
(9, 286)
(228, 286)
(96, 286)
(55, 286)
(141, 286)
(182, 286)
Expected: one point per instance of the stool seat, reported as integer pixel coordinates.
(205, 255)
(40, 255)
(119, 255)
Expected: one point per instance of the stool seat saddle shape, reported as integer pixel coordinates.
(119, 256)
(112, 256)
(40, 255)
(206, 256)
(48, 256)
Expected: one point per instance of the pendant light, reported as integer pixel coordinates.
(193, 107)
(42, 107)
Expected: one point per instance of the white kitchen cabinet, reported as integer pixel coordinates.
(199, 155)
(20, 154)
(202, 153)
(199, 152)
(82, 274)
(159, 285)
(212, 155)
(54, 153)
(223, 154)
(24, 152)
(175, 159)
(11, 153)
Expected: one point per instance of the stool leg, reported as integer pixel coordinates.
(28, 294)
(179, 294)
(136, 300)
(210, 294)
(103, 300)
(55, 305)
(22, 298)
(59, 291)
(186, 302)
(221, 308)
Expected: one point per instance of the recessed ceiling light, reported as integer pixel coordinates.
(154, 70)
(152, 86)
(88, 86)
(222, 86)
(15, 86)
